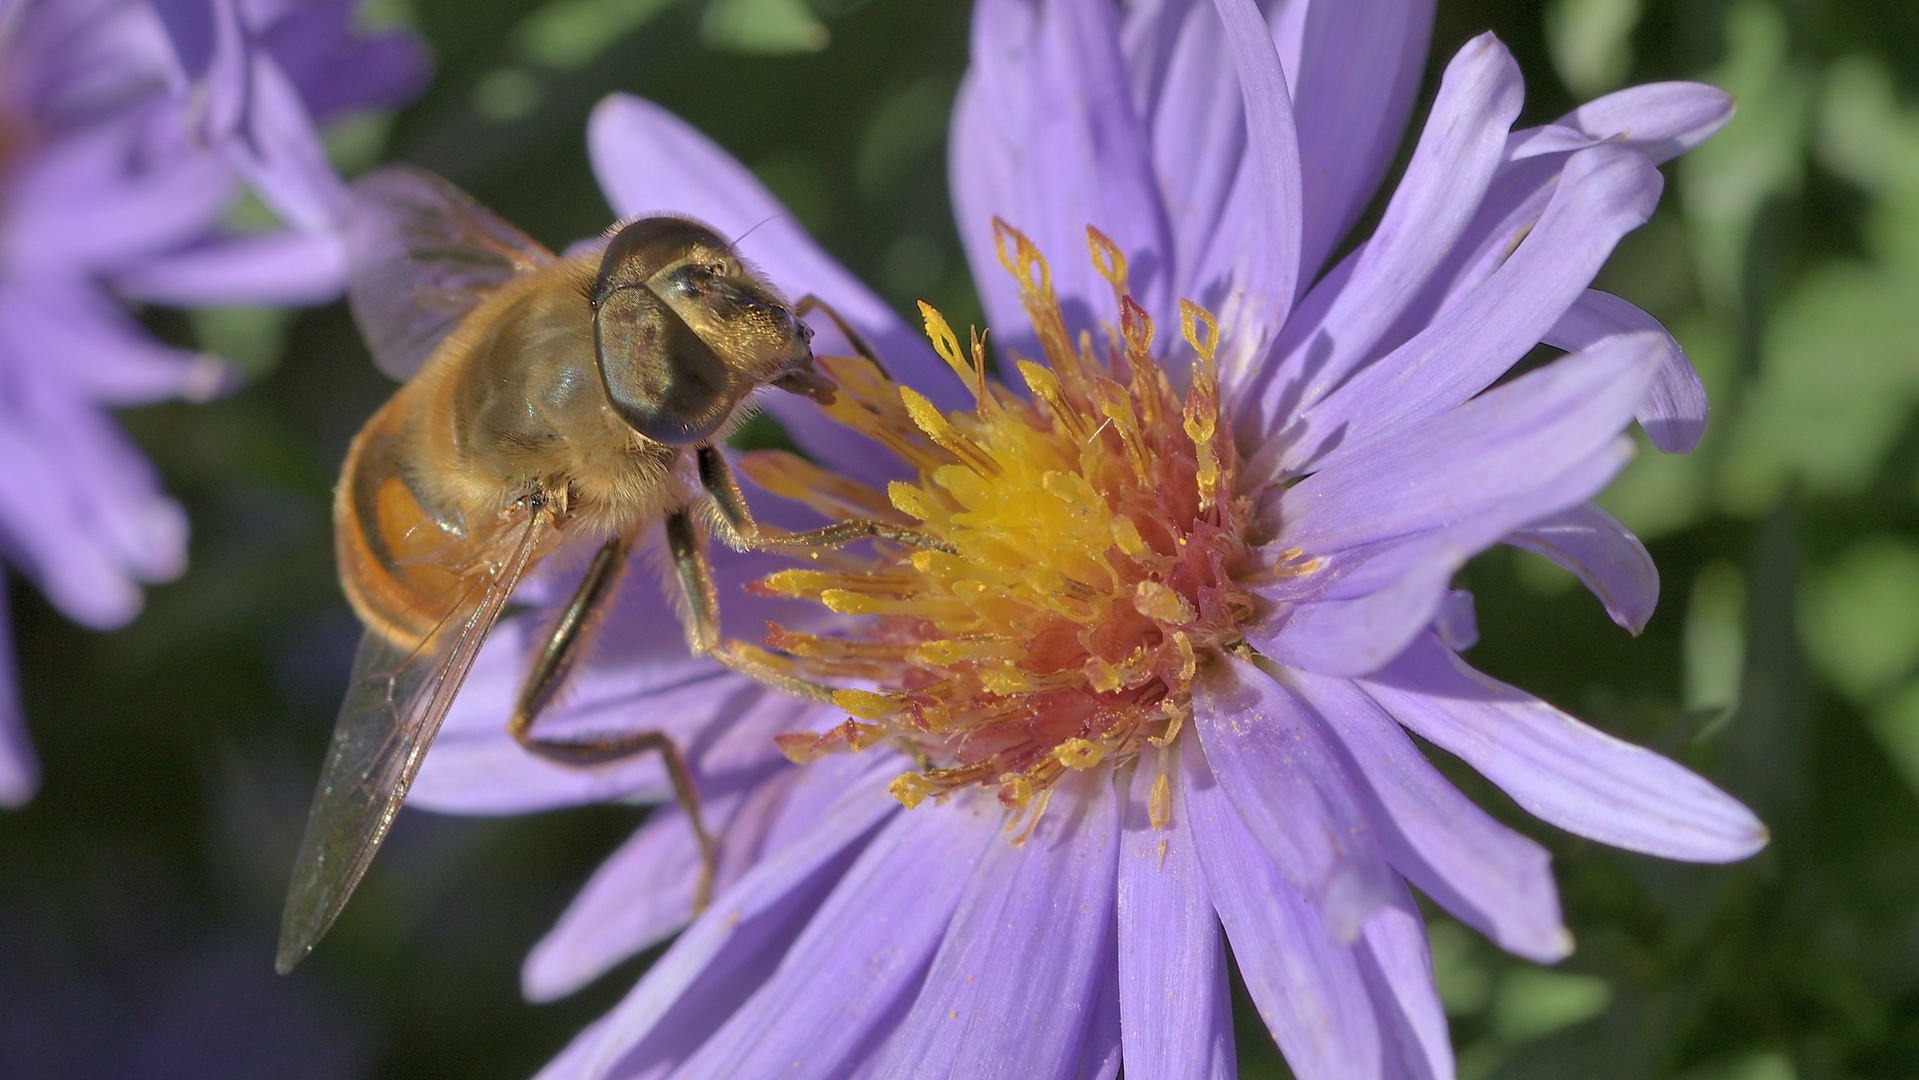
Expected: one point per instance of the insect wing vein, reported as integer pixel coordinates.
(399, 695)
(421, 254)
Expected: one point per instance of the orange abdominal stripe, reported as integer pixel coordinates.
(1091, 544)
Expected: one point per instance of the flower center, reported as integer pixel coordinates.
(1088, 540)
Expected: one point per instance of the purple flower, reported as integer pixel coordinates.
(1189, 591)
(126, 129)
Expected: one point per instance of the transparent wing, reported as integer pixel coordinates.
(420, 255)
(398, 696)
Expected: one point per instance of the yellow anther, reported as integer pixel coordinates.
(1161, 604)
(1188, 659)
(1159, 805)
(796, 582)
(1005, 680)
(1079, 753)
(850, 603)
(1191, 318)
(910, 789)
(1015, 791)
(927, 417)
(910, 500)
(1108, 259)
(865, 704)
(1102, 676)
(1024, 261)
(945, 343)
(1126, 535)
(1176, 710)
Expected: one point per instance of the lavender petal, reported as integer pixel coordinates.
(1360, 67)
(1486, 875)
(1560, 770)
(1605, 193)
(871, 942)
(1397, 965)
(1466, 461)
(1175, 1007)
(1274, 757)
(276, 268)
(1050, 171)
(1660, 120)
(1048, 902)
(1309, 989)
(1674, 412)
(726, 954)
(75, 202)
(1338, 324)
(1373, 601)
(1606, 556)
(1257, 249)
(641, 895)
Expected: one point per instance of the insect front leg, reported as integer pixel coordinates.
(703, 615)
(716, 477)
(563, 647)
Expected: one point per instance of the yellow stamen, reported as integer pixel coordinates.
(1088, 553)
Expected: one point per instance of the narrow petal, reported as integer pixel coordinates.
(1175, 1008)
(1488, 876)
(862, 957)
(1560, 770)
(1022, 154)
(1458, 621)
(1606, 556)
(1185, 81)
(80, 336)
(1376, 600)
(723, 957)
(1466, 461)
(1660, 120)
(277, 268)
(1031, 941)
(244, 105)
(1463, 143)
(80, 201)
(1397, 963)
(1272, 755)
(339, 72)
(1100, 1057)
(1360, 66)
(1257, 250)
(1674, 412)
(1605, 193)
(1309, 989)
(641, 895)
(19, 769)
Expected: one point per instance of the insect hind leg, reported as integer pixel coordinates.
(564, 644)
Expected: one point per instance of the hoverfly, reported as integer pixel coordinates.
(547, 398)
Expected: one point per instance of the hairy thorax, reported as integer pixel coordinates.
(514, 405)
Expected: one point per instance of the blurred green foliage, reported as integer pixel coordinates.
(1784, 663)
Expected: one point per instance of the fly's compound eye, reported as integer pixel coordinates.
(660, 376)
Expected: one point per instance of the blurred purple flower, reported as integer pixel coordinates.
(1226, 151)
(126, 130)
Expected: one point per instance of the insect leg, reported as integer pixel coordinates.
(557, 657)
(703, 615)
(809, 302)
(748, 535)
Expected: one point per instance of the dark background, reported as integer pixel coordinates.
(140, 892)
